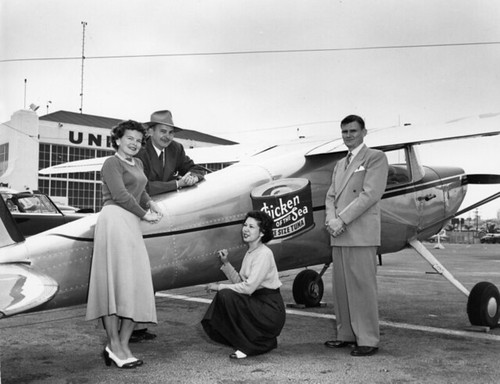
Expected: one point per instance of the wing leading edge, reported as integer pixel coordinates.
(401, 136)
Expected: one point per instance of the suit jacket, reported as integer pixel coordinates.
(354, 196)
(177, 163)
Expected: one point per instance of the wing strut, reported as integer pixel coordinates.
(437, 266)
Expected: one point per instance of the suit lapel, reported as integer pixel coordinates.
(169, 162)
(155, 161)
(344, 176)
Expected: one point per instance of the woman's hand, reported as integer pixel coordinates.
(155, 207)
(213, 287)
(222, 254)
(152, 217)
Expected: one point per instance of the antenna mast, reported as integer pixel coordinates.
(84, 24)
(25, 83)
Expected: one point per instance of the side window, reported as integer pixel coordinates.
(399, 171)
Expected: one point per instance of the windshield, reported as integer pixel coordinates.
(33, 204)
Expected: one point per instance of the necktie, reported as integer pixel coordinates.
(162, 160)
(348, 159)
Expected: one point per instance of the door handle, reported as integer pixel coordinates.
(427, 197)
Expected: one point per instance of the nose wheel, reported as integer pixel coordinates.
(483, 305)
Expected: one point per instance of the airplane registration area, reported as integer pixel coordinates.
(426, 335)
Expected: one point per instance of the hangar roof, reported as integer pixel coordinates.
(108, 122)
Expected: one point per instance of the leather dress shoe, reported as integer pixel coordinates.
(339, 343)
(141, 335)
(364, 351)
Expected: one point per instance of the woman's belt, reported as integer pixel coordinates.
(265, 291)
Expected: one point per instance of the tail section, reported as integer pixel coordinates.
(22, 288)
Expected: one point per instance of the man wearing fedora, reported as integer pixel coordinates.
(166, 164)
(167, 168)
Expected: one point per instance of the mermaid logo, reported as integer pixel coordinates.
(288, 202)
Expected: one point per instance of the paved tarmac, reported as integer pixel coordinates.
(424, 325)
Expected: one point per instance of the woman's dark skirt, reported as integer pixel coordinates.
(250, 324)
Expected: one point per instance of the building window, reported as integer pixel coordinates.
(215, 166)
(58, 188)
(4, 158)
(44, 156)
(82, 194)
(82, 189)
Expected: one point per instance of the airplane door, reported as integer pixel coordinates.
(429, 198)
(399, 213)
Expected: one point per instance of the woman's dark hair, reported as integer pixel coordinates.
(118, 131)
(265, 224)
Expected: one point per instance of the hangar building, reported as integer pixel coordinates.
(29, 143)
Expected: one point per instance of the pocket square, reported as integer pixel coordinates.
(360, 168)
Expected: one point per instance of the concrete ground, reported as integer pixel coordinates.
(424, 325)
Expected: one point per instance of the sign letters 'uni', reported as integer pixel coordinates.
(288, 202)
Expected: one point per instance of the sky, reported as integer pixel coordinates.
(262, 70)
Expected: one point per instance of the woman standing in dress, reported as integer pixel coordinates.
(121, 286)
(248, 314)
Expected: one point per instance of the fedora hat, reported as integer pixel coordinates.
(162, 117)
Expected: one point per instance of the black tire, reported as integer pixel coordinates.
(308, 288)
(483, 305)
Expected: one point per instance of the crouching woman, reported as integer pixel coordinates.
(249, 313)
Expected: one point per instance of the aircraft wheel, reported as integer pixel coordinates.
(308, 288)
(483, 306)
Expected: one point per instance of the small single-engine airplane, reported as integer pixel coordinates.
(289, 181)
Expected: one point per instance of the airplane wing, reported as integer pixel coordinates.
(382, 138)
(87, 165)
(398, 137)
(225, 153)
(200, 155)
(22, 288)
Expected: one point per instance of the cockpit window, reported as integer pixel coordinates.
(399, 171)
(398, 174)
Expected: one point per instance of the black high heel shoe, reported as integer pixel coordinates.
(111, 357)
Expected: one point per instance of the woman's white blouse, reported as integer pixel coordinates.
(258, 270)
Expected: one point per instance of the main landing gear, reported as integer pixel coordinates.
(308, 287)
(483, 304)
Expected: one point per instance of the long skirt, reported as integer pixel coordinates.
(250, 324)
(120, 279)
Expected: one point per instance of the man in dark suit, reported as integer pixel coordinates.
(353, 221)
(166, 164)
(167, 168)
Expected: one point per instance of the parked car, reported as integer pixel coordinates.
(35, 212)
(490, 238)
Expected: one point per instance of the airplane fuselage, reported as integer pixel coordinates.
(205, 218)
